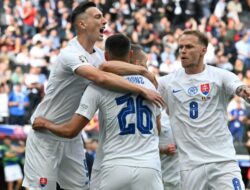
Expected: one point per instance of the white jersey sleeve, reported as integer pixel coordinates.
(89, 102)
(74, 60)
(231, 81)
(162, 87)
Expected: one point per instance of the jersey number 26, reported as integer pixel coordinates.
(134, 107)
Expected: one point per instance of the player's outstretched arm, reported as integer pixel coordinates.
(244, 92)
(117, 83)
(66, 130)
(123, 68)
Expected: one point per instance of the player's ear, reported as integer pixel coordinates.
(81, 25)
(204, 50)
(106, 55)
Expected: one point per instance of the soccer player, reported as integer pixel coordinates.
(169, 156)
(128, 134)
(138, 57)
(197, 97)
(49, 158)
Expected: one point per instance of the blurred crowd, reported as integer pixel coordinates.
(32, 32)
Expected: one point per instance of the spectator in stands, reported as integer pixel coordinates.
(29, 16)
(4, 110)
(17, 76)
(12, 169)
(237, 117)
(37, 55)
(91, 147)
(234, 7)
(243, 50)
(35, 82)
(18, 102)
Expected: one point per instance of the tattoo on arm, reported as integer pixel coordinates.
(240, 90)
(244, 92)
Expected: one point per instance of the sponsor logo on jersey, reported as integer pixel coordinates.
(84, 106)
(192, 90)
(43, 181)
(175, 91)
(205, 89)
(83, 59)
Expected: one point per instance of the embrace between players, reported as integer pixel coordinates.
(129, 115)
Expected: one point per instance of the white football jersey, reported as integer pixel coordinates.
(197, 109)
(65, 88)
(127, 126)
(170, 166)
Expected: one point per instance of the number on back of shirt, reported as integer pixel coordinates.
(193, 110)
(142, 113)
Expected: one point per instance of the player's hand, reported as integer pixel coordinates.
(171, 149)
(39, 123)
(153, 96)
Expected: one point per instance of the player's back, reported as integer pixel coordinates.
(128, 122)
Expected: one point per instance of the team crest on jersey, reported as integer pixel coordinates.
(83, 59)
(192, 90)
(205, 89)
(43, 181)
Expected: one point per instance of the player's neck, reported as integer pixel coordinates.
(195, 69)
(87, 44)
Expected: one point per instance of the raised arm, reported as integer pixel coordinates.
(66, 130)
(123, 68)
(117, 83)
(244, 92)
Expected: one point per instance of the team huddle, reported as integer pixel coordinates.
(137, 147)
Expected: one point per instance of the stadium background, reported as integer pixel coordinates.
(33, 32)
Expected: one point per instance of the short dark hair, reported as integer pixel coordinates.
(118, 46)
(201, 36)
(81, 8)
(136, 47)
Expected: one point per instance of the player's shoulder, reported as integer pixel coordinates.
(218, 72)
(140, 80)
(176, 75)
(72, 51)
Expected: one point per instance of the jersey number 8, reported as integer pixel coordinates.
(193, 113)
